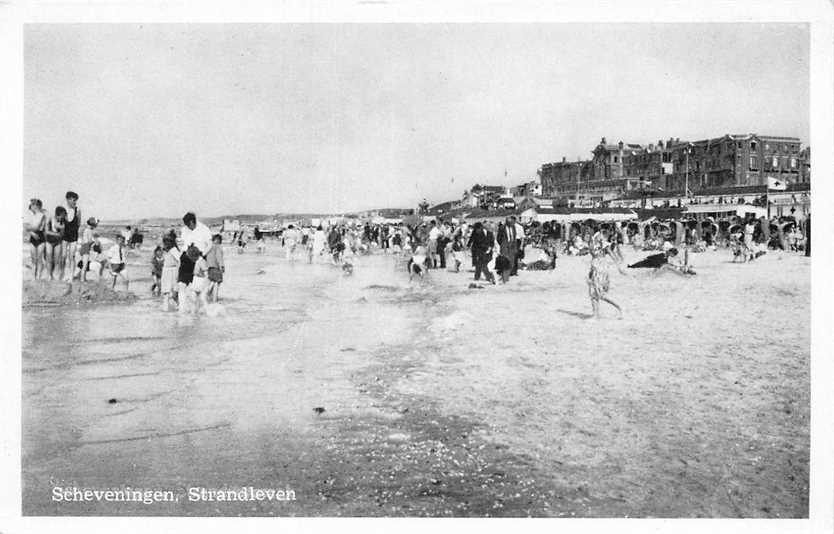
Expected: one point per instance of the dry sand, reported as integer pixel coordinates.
(439, 400)
(696, 404)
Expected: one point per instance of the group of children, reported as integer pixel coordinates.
(187, 279)
(62, 250)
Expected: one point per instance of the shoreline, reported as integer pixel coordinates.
(59, 294)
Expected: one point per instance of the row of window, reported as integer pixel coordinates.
(771, 162)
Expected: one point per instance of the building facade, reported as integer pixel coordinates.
(677, 167)
(528, 189)
(483, 196)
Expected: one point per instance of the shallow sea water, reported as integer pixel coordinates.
(129, 395)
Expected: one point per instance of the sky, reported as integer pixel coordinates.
(155, 120)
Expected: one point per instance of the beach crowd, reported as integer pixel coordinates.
(188, 268)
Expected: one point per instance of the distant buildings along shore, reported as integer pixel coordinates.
(730, 169)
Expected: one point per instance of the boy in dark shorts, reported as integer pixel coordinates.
(216, 267)
(117, 260)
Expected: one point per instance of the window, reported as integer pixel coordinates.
(738, 144)
(616, 159)
(752, 145)
(793, 163)
(754, 163)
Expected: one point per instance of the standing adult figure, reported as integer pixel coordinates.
(319, 244)
(507, 247)
(260, 246)
(519, 244)
(70, 237)
(290, 241)
(334, 241)
(482, 241)
(433, 242)
(749, 230)
(35, 224)
(195, 233)
(808, 236)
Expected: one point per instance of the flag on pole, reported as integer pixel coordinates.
(774, 184)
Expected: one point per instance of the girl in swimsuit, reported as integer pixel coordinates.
(598, 279)
(54, 235)
(35, 225)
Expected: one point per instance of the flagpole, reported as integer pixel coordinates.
(767, 199)
(686, 178)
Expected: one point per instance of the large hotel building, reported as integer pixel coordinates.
(728, 165)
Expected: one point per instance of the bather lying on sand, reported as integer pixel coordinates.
(660, 262)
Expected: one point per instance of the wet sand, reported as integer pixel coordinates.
(438, 400)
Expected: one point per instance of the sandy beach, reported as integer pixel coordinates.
(438, 399)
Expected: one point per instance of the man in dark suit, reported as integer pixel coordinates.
(508, 247)
(482, 241)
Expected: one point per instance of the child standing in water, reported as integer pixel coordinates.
(86, 245)
(199, 284)
(170, 268)
(157, 264)
(185, 275)
(117, 260)
(54, 234)
(216, 267)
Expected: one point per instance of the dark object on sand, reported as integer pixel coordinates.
(111, 401)
(347, 268)
(319, 410)
(473, 285)
(650, 262)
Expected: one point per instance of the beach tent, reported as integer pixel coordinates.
(709, 226)
(565, 214)
(678, 233)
